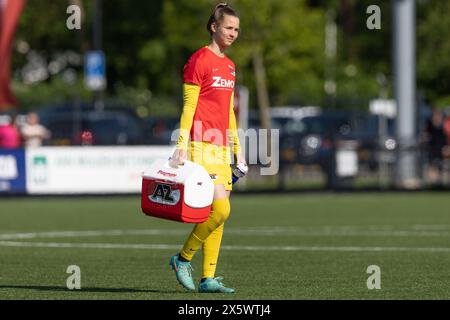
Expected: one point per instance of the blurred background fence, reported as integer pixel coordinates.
(317, 149)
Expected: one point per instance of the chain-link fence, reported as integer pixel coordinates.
(350, 166)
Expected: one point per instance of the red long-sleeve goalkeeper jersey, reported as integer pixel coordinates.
(216, 78)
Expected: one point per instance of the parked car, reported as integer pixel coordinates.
(313, 138)
(77, 124)
(280, 115)
(159, 130)
(375, 142)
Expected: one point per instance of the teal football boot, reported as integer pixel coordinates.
(183, 272)
(214, 285)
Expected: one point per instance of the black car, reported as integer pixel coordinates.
(312, 139)
(159, 130)
(81, 124)
(376, 140)
(315, 140)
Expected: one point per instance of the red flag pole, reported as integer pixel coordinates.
(9, 16)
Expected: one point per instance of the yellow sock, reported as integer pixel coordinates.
(219, 214)
(211, 248)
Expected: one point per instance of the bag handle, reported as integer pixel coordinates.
(165, 182)
(167, 164)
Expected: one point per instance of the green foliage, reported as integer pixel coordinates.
(433, 49)
(367, 52)
(442, 102)
(147, 43)
(43, 25)
(145, 102)
(134, 45)
(292, 48)
(47, 93)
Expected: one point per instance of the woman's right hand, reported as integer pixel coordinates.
(178, 158)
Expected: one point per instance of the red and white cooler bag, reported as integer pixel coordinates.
(182, 194)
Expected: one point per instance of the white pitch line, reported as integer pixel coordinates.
(242, 248)
(338, 231)
(87, 245)
(88, 233)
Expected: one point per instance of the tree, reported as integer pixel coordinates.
(433, 51)
(281, 46)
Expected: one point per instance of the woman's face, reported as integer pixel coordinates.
(226, 32)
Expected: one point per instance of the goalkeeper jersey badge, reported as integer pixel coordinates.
(164, 194)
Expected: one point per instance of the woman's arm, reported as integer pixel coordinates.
(191, 93)
(233, 135)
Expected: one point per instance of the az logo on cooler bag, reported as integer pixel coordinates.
(165, 195)
(182, 194)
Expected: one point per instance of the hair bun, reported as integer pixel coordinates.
(221, 5)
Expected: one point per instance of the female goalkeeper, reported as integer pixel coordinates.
(208, 120)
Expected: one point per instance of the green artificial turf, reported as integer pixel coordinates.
(302, 246)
